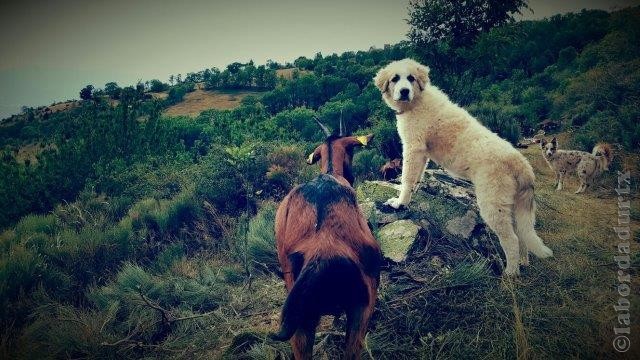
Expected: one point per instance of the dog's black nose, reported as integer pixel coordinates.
(404, 92)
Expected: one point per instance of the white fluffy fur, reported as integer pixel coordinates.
(433, 127)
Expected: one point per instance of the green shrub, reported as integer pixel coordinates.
(498, 120)
(386, 138)
(285, 166)
(261, 241)
(367, 163)
(33, 224)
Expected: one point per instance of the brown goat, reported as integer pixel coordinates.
(330, 259)
(391, 169)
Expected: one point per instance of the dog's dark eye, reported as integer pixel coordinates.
(395, 78)
(410, 78)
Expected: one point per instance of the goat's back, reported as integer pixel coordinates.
(320, 218)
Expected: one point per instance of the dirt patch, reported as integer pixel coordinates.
(200, 100)
(64, 106)
(288, 73)
(30, 152)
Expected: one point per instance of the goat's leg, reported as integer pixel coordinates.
(302, 341)
(357, 323)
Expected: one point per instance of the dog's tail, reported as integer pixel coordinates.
(325, 286)
(524, 213)
(603, 150)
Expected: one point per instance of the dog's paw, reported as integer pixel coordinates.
(511, 272)
(394, 203)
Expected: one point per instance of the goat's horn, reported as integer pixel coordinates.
(324, 128)
(341, 127)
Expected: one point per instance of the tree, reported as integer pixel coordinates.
(458, 22)
(156, 85)
(140, 88)
(112, 90)
(86, 93)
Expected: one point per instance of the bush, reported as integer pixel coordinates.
(367, 163)
(499, 121)
(177, 92)
(386, 138)
(285, 164)
(223, 185)
(261, 241)
(156, 85)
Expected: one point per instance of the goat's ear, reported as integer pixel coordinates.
(360, 140)
(382, 79)
(422, 75)
(364, 140)
(314, 156)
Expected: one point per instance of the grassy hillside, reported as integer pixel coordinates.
(143, 227)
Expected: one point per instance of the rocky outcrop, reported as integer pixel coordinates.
(442, 219)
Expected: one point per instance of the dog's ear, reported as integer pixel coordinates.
(422, 76)
(554, 142)
(382, 79)
(314, 156)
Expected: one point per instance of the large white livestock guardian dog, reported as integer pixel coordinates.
(432, 127)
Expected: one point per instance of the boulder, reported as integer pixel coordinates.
(396, 238)
(442, 219)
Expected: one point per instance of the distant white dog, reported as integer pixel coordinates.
(432, 127)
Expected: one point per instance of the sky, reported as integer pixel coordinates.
(49, 50)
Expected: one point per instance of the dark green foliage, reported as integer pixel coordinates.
(156, 85)
(458, 22)
(112, 90)
(86, 93)
(177, 92)
(498, 120)
(239, 76)
(261, 242)
(367, 164)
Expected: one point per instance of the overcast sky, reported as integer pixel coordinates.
(51, 49)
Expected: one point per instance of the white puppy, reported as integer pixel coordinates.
(432, 127)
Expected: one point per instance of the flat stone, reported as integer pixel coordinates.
(368, 207)
(462, 226)
(396, 239)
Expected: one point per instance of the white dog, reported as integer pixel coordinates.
(432, 127)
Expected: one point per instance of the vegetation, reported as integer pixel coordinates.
(136, 234)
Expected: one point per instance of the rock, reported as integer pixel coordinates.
(385, 218)
(462, 226)
(368, 208)
(396, 239)
(443, 206)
